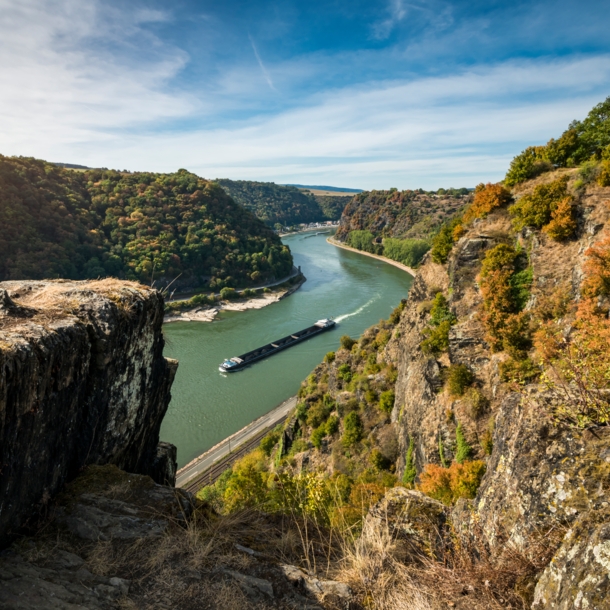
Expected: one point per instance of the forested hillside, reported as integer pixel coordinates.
(398, 224)
(286, 205)
(56, 222)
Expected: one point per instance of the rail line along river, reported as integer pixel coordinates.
(207, 406)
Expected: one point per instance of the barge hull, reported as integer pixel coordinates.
(240, 362)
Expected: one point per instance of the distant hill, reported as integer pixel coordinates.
(325, 188)
(275, 203)
(58, 223)
(398, 224)
(399, 214)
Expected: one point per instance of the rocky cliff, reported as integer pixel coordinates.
(545, 473)
(83, 381)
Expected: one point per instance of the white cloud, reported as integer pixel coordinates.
(69, 95)
(61, 83)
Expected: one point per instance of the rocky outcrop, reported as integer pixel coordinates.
(542, 478)
(117, 540)
(83, 381)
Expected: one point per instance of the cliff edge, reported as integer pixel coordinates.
(83, 381)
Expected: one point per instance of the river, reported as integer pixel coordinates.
(207, 405)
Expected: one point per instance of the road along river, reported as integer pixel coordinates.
(208, 406)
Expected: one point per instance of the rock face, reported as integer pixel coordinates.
(541, 477)
(82, 381)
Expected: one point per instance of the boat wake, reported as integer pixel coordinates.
(359, 310)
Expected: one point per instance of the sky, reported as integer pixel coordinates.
(360, 94)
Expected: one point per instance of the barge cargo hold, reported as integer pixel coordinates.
(239, 362)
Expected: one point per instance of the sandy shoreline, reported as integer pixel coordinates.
(208, 314)
(409, 270)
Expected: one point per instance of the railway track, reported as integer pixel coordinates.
(211, 475)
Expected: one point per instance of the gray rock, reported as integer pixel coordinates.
(87, 359)
(251, 583)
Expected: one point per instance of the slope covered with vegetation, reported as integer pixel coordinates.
(487, 392)
(276, 204)
(55, 222)
(398, 224)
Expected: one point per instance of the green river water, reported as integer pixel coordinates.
(207, 405)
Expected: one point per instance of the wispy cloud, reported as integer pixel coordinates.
(455, 130)
(262, 65)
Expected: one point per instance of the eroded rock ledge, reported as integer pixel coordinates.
(83, 381)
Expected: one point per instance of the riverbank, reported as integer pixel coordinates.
(338, 244)
(197, 473)
(207, 313)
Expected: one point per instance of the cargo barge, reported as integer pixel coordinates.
(239, 362)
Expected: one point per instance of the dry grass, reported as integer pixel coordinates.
(471, 576)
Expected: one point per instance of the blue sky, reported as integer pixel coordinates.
(373, 94)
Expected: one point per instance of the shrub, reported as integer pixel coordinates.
(378, 460)
(386, 401)
(563, 224)
(332, 425)
(477, 402)
(460, 377)
(269, 441)
(344, 372)
(528, 164)
(521, 285)
(578, 380)
(227, 293)
(435, 481)
(462, 449)
(330, 357)
(408, 477)
(318, 413)
(536, 209)
(352, 429)
(597, 269)
(395, 315)
(449, 484)
(441, 448)
(370, 396)
(347, 342)
(440, 311)
(302, 411)
(487, 442)
(516, 335)
(487, 198)
(603, 178)
(519, 371)
(442, 244)
(437, 338)
(505, 291)
(317, 435)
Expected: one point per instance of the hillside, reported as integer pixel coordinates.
(273, 203)
(55, 222)
(466, 438)
(398, 224)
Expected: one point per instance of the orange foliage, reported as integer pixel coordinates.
(498, 302)
(563, 223)
(597, 269)
(449, 484)
(487, 198)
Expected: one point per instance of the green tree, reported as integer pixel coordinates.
(352, 429)
(463, 450)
